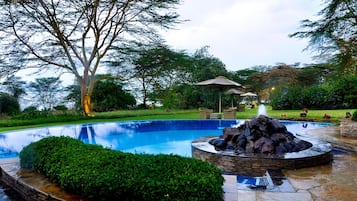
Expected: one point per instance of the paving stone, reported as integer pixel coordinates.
(273, 196)
(246, 195)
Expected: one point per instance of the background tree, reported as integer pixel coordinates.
(47, 92)
(75, 36)
(7, 66)
(242, 77)
(264, 82)
(168, 76)
(9, 105)
(343, 91)
(74, 95)
(14, 86)
(109, 95)
(205, 66)
(158, 69)
(314, 74)
(334, 34)
(174, 75)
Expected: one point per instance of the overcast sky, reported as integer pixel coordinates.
(245, 33)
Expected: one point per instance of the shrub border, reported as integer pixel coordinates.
(103, 174)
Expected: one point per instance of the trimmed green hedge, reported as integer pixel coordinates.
(103, 174)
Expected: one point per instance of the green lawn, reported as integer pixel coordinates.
(124, 115)
(316, 115)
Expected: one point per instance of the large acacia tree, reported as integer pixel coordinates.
(75, 36)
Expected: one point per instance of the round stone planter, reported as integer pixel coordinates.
(256, 165)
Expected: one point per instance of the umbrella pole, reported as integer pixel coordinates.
(232, 101)
(220, 103)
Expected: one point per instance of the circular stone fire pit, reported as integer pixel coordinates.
(260, 144)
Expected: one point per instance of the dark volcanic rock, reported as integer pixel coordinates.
(259, 135)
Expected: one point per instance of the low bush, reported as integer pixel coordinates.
(32, 113)
(354, 116)
(102, 174)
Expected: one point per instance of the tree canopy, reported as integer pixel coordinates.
(334, 34)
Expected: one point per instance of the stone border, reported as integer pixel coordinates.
(26, 191)
(230, 163)
(19, 180)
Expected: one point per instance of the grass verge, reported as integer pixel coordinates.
(162, 114)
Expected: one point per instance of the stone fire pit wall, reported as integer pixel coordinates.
(256, 165)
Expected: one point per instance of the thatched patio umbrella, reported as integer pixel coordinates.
(250, 95)
(233, 92)
(220, 82)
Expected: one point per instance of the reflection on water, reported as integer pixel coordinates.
(84, 136)
(168, 137)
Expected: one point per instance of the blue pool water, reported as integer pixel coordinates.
(153, 137)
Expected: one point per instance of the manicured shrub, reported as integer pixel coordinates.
(103, 174)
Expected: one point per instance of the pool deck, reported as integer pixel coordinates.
(46, 189)
(10, 168)
(233, 193)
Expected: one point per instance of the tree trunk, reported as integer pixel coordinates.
(86, 93)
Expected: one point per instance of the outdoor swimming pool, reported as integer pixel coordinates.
(152, 137)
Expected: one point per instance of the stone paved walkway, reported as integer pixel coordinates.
(232, 193)
(336, 181)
